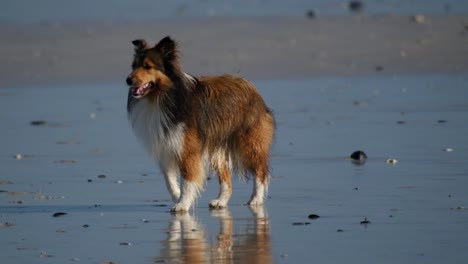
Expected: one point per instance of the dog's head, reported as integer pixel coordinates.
(152, 67)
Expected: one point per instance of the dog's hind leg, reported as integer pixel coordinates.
(255, 147)
(225, 185)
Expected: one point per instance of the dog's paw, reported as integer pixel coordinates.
(256, 201)
(217, 204)
(179, 208)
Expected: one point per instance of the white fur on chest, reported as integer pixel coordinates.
(151, 126)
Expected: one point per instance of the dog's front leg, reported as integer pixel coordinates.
(169, 168)
(192, 172)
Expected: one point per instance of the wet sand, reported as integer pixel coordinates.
(329, 100)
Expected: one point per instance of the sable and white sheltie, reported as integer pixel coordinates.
(192, 126)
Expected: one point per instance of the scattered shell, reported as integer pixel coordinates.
(125, 243)
(75, 259)
(92, 115)
(118, 181)
(392, 161)
(6, 182)
(419, 19)
(6, 224)
(18, 156)
(448, 149)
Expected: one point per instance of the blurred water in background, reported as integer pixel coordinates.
(26, 11)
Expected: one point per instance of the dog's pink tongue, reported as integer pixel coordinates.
(139, 90)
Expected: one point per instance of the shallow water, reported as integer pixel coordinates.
(56, 10)
(416, 206)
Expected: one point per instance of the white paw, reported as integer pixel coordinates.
(176, 197)
(217, 204)
(178, 207)
(256, 201)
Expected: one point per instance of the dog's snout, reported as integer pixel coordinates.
(129, 80)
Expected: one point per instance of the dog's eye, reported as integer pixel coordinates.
(146, 67)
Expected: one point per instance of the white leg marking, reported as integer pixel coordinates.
(258, 194)
(170, 175)
(189, 193)
(223, 197)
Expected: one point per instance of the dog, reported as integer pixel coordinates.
(193, 126)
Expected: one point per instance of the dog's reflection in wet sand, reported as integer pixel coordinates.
(245, 240)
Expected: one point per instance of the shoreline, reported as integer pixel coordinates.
(89, 52)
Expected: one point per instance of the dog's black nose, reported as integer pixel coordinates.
(129, 80)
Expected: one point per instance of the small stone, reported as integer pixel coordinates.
(102, 176)
(339, 230)
(401, 122)
(18, 156)
(59, 214)
(38, 123)
(313, 216)
(356, 6)
(75, 259)
(392, 161)
(378, 68)
(365, 221)
(85, 226)
(358, 156)
(118, 181)
(441, 121)
(89, 180)
(125, 243)
(300, 223)
(310, 14)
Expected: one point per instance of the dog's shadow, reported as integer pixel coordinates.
(243, 240)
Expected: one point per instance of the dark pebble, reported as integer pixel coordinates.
(313, 216)
(356, 6)
(300, 223)
(365, 221)
(310, 14)
(339, 230)
(89, 180)
(102, 176)
(358, 156)
(379, 68)
(85, 226)
(441, 121)
(38, 123)
(59, 214)
(401, 122)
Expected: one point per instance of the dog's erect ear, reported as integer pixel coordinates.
(140, 44)
(167, 47)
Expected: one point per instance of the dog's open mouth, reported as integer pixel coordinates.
(140, 91)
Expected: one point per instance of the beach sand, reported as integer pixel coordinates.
(76, 187)
(255, 47)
